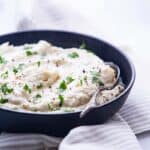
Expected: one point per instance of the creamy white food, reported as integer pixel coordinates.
(44, 78)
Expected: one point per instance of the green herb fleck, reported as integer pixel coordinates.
(27, 88)
(69, 80)
(81, 82)
(39, 86)
(61, 98)
(100, 83)
(3, 100)
(2, 60)
(5, 89)
(82, 46)
(73, 55)
(96, 78)
(15, 70)
(38, 63)
(4, 75)
(85, 78)
(29, 53)
(94, 73)
(62, 86)
(49, 107)
(38, 96)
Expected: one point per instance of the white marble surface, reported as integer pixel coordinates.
(125, 23)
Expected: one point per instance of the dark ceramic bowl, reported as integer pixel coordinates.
(59, 124)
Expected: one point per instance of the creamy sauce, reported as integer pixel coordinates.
(43, 78)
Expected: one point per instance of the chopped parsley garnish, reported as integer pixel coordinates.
(82, 46)
(4, 75)
(16, 69)
(61, 98)
(69, 80)
(39, 86)
(38, 96)
(27, 88)
(38, 63)
(49, 107)
(62, 86)
(81, 82)
(85, 78)
(3, 100)
(30, 53)
(96, 78)
(94, 73)
(2, 60)
(5, 89)
(73, 55)
(64, 83)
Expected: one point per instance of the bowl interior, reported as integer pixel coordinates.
(67, 40)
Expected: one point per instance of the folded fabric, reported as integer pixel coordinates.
(113, 135)
(28, 142)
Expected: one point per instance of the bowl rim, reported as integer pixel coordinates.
(131, 82)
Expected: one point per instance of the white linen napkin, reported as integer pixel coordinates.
(116, 134)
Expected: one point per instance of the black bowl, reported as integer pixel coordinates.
(60, 124)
